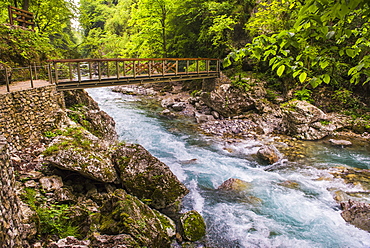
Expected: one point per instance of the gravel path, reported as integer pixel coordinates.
(25, 85)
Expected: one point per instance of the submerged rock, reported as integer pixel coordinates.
(148, 178)
(357, 213)
(336, 142)
(268, 154)
(235, 185)
(192, 225)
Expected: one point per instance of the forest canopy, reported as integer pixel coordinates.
(296, 43)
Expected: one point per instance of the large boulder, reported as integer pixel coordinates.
(357, 213)
(78, 150)
(148, 178)
(230, 100)
(305, 121)
(125, 214)
(82, 109)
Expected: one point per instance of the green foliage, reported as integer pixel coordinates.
(303, 95)
(52, 218)
(53, 36)
(54, 221)
(162, 28)
(75, 140)
(51, 134)
(327, 43)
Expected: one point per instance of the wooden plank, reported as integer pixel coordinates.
(22, 14)
(21, 10)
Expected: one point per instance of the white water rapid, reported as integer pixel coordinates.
(270, 214)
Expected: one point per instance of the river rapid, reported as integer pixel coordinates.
(269, 214)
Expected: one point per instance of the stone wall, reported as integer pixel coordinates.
(11, 228)
(26, 115)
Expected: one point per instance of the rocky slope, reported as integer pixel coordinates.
(80, 182)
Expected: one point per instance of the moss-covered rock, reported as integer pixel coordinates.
(78, 150)
(125, 214)
(192, 225)
(82, 109)
(147, 178)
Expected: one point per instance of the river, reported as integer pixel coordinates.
(269, 214)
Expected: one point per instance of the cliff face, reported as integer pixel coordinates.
(73, 178)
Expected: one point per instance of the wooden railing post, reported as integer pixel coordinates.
(163, 67)
(207, 66)
(134, 68)
(70, 70)
(150, 68)
(197, 66)
(177, 67)
(31, 76)
(187, 66)
(7, 79)
(90, 70)
(99, 70)
(10, 15)
(124, 68)
(108, 75)
(117, 69)
(78, 72)
(56, 73)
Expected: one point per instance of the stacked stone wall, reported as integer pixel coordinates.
(11, 228)
(26, 115)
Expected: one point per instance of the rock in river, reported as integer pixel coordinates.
(148, 178)
(357, 213)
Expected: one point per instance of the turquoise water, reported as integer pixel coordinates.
(268, 214)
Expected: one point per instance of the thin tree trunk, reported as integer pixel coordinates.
(26, 4)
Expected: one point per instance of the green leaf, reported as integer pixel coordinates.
(351, 52)
(302, 77)
(326, 79)
(296, 73)
(280, 70)
(226, 62)
(324, 64)
(315, 82)
(272, 61)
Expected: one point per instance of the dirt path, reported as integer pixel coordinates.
(18, 86)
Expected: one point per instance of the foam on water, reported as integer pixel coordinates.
(267, 215)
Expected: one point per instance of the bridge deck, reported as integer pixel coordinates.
(90, 73)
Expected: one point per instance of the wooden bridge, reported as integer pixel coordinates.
(90, 73)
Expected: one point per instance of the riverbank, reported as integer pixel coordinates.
(74, 183)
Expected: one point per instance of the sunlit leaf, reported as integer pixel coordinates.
(302, 77)
(326, 79)
(280, 70)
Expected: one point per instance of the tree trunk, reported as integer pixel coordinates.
(26, 4)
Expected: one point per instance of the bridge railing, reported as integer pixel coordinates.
(80, 70)
(30, 74)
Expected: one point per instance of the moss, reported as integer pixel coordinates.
(193, 225)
